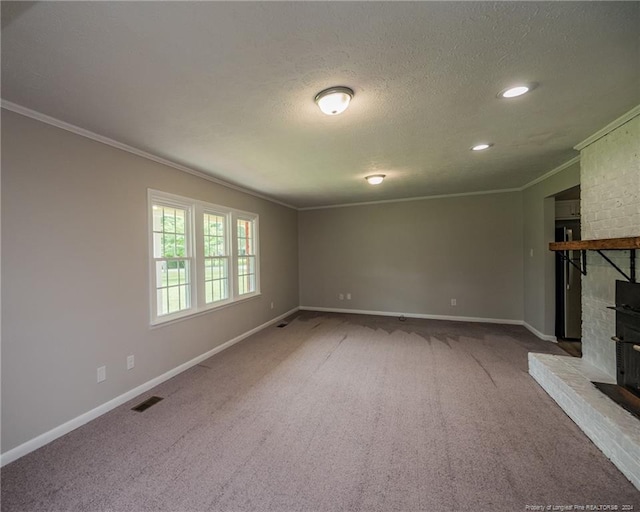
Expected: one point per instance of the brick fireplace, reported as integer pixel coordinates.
(610, 206)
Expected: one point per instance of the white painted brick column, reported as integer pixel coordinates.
(610, 208)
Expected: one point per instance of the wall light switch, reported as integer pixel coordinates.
(130, 362)
(341, 296)
(454, 302)
(348, 296)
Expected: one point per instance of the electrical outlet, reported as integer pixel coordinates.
(348, 296)
(341, 296)
(454, 302)
(102, 373)
(130, 362)
(531, 253)
(271, 304)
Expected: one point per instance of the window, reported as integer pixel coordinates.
(203, 256)
(246, 256)
(171, 258)
(216, 259)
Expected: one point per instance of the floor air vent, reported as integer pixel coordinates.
(283, 324)
(147, 403)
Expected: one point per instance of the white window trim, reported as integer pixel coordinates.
(196, 210)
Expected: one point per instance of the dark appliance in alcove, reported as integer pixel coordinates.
(568, 285)
(627, 340)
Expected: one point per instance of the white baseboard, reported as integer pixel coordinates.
(545, 337)
(65, 428)
(415, 315)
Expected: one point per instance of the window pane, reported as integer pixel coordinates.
(157, 245)
(249, 240)
(180, 221)
(167, 246)
(184, 296)
(174, 299)
(220, 268)
(214, 237)
(180, 246)
(169, 220)
(216, 280)
(162, 276)
(245, 237)
(218, 246)
(173, 286)
(157, 217)
(169, 238)
(208, 292)
(162, 301)
(246, 275)
(182, 274)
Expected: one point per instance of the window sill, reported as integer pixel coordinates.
(203, 311)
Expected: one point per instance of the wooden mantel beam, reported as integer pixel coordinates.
(602, 244)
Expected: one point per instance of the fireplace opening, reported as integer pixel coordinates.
(627, 339)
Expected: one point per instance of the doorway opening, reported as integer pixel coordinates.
(568, 289)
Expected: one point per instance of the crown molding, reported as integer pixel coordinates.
(38, 116)
(561, 167)
(407, 199)
(624, 118)
(19, 109)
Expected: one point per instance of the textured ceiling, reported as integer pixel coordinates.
(227, 88)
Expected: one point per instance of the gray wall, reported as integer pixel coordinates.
(538, 229)
(75, 275)
(415, 256)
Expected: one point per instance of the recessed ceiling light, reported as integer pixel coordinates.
(375, 179)
(481, 147)
(517, 90)
(335, 100)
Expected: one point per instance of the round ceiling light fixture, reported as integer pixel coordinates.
(335, 100)
(517, 90)
(481, 147)
(375, 179)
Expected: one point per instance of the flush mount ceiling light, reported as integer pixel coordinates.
(517, 90)
(335, 100)
(481, 147)
(375, 179)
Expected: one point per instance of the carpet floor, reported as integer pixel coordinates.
(334, 413)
